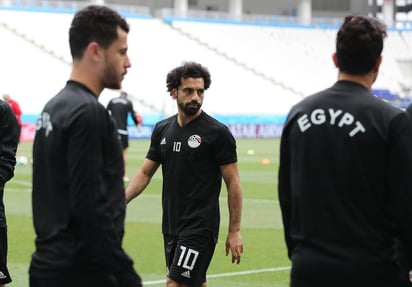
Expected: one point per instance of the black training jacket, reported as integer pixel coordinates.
(9, 137)
(78, 192)
(8, 142)
(345, 188)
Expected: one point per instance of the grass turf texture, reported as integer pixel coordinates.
(264, 255)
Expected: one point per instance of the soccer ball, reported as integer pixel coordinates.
(22, 160)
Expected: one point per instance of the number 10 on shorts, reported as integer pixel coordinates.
(188, 257)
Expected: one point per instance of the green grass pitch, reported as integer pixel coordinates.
(264, 262)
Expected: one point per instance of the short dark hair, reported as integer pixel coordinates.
(187, 70)
(94, 23)
(359, 43)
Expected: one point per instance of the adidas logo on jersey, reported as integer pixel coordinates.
(2, 276)
(163, 141)
(186, 274)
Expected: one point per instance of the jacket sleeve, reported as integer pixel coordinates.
(8, 142)
(133, 113)
(90, 207)
(399, 196)
(284, 189)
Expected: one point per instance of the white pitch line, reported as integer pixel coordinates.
(248, 272)
(154, 282)
(22, 182)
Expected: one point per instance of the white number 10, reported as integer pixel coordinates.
(177, 146)
(188, 258)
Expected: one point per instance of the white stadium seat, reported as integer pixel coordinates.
(254, 69)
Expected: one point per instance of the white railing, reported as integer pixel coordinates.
(164, 13)
(71, 6)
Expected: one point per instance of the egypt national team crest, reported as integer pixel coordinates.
(194, 141)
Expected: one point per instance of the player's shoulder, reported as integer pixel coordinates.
(408, 109)
(213, 127)
(166, 122)
(4, 105)
(211, 121)
(5, 110)
(74, 99)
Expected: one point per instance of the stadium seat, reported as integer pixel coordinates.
(254, 69)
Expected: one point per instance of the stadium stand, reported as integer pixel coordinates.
(48, 31)
(256, 69)
(28, 72)
(271, 51)
(295, 56)
(154, 48)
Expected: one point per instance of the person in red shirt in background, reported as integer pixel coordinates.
(15, 107)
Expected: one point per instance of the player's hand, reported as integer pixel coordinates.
(234, 244)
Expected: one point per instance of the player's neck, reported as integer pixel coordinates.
(82, 75)
(183, 119)
(365, 80)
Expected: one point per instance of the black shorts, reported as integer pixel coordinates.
(4, 272)
(124, 139)
(187, 259)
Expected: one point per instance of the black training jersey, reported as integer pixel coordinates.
(119, 108)
(9, 138)
(78, 193)
(345, 183)
(8, 142)
(191, 157)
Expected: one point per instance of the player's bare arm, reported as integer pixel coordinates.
(234, 242)
(141, 179)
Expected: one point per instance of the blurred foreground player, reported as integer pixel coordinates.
(15, 107)
(345, 184)
(9, 137)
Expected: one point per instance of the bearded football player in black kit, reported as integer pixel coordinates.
(78, 192)
(345, 175)
(195, 152)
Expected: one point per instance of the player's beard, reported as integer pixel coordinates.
(111, 78)
(188, 108)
